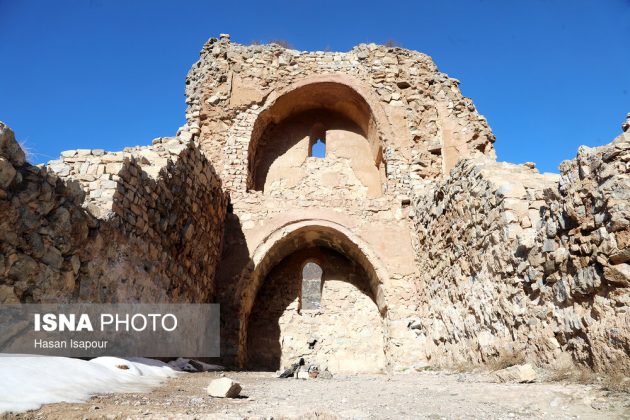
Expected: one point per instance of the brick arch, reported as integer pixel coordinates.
(337, 93)
(298, 235)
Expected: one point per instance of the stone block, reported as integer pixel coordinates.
(113, 168)
(519, 373)
(224, 388)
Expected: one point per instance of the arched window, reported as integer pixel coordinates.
(311, 286)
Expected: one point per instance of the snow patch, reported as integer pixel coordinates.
(27, 382)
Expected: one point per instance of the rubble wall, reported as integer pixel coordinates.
(512, 262)
(97, 227)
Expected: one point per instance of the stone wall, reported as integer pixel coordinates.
(513, 262)
(585, 244)
(98, 227)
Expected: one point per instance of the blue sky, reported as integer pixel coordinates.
(549, 75)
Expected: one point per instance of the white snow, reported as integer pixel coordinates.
(27, 382)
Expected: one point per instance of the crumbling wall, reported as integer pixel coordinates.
(430, 123)
(97, 227)
(514, 262)
(585, 244)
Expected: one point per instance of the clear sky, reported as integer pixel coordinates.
(549, 75)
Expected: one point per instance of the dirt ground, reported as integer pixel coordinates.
(425, 395)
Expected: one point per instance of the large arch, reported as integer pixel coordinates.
(298, 235)
(337, 94)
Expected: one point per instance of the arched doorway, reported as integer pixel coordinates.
(337, 320)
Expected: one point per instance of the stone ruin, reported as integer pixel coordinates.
(404, 243)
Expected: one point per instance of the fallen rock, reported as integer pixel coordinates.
(519, 373)
(224, 388)
(325, 374)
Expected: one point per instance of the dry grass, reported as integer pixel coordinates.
(28, 151)
(281, 43)
(462, 366)
(613, 379)
(571, 373)
(505, 360)
(390, 43)
(616, 382)
(502, 361)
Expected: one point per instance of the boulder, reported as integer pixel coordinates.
(224, 388)
(518, 373)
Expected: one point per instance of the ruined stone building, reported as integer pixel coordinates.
(342, 207)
